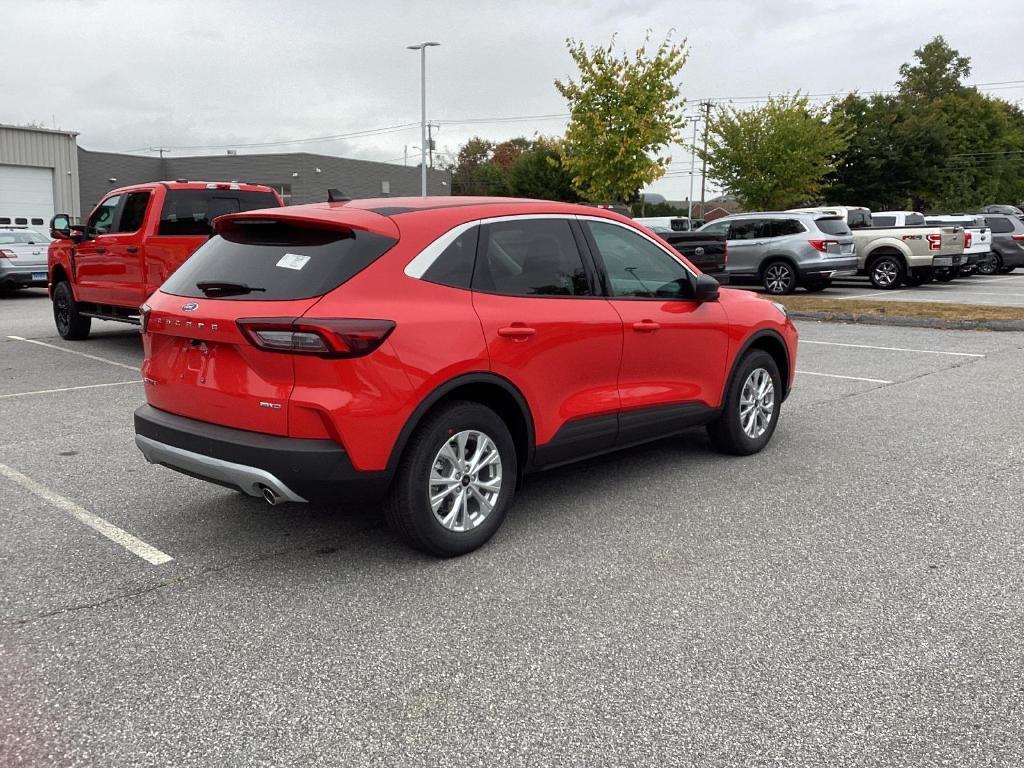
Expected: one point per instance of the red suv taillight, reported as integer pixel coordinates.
(935, 242)
(324, 337)
(822, 245)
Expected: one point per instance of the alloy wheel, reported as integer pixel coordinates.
(886, 273)
(757, 403)
(989, 265)
(465, 480)
(778, 278)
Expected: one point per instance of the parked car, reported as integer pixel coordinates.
(22, 258)
(433, 350)
(857, 216)
(1008, 210)
(895, 256)
(782, 251)
(1007, 244)
(977, 237)
(133, 241)
(662, 224)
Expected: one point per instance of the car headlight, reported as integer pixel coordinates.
(781, 308)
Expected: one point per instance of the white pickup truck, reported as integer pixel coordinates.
(977, 240)
(895, 256)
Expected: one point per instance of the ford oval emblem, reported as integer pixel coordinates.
(190, 307)
(698, 251)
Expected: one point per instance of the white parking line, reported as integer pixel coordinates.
(849, 378)
(134, 545)
(68, 389)
(891, 349)
(75, 352)
(876, 293)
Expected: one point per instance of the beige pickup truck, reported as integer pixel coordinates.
(895, 256)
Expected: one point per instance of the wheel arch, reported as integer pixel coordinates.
(772, 258)
(768, 341)
(489, 389)
(884, 250)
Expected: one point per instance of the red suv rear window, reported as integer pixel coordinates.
(267, 260)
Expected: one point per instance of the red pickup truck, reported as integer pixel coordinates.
(132, 241)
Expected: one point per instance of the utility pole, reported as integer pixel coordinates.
(693, 161)
(161, 150)
(704, 160)
(430, 143)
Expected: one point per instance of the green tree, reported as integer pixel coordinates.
(775, 156)
(538, 173)
(939, 70)
(623, 111)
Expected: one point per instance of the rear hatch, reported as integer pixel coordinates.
(840, 241)
(221, 334)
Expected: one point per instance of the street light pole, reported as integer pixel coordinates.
(422, 48)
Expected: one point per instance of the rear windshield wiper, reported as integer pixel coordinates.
(225, 288)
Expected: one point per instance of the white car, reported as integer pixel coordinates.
(977, 237)
(663, 224)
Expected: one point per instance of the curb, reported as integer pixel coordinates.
(912, 322)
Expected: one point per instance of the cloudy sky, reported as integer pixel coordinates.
(198, 77)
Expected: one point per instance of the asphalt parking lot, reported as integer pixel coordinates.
(1002, 290)
(851, 596)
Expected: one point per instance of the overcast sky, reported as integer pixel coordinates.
(132, 75)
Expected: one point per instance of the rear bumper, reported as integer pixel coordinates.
(25, 276)
(294, 469)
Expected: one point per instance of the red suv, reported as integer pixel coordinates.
(434, 350)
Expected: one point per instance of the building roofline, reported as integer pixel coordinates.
(38, 130)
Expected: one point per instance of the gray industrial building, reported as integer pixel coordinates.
(44, 171)
(38, 175)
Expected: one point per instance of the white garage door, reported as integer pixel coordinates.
(26, 195)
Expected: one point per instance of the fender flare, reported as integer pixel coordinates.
(443, 390)
(764, 333)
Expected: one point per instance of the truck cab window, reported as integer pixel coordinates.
(134, 212)
(103, 218)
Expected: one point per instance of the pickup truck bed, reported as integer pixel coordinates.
(707, 252)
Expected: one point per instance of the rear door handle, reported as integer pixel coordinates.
(132, 249)
(518, 331)
(646, 326)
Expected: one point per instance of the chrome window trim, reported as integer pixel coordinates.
(425, 259)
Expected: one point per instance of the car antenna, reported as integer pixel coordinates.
(337, 196)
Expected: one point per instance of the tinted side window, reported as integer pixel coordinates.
(883, 221)
(188, 212)
(859, 219)
(636, 267)
(531, 257)
(716, 227)
(783, 227)
(102, 220)
(914, 219)
(999, 224)
(454, 266)
(133, 212)
(748, 229)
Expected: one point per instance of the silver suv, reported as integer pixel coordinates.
(781, 251)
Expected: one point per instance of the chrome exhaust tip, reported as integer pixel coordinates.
(271, 496)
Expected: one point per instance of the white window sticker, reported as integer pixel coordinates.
(293, 261)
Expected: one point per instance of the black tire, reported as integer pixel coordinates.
(726, 433)
(817, 285)
(946, 275)
(990, 264)
(71, 325)
(887, 272)
(778, 277)
(407, 508)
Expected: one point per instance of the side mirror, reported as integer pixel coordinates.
(60, 226)
(706, 289)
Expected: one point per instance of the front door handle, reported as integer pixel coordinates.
(517, 331)
(101, 250)
(646, 326)
(132, 249)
